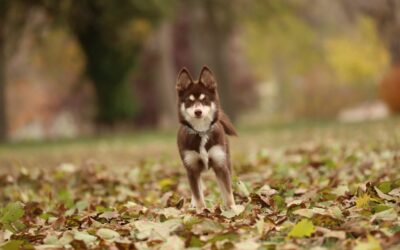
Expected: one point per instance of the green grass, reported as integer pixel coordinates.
(130, 147)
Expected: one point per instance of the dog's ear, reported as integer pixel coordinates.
(207, 78)
(184, 80)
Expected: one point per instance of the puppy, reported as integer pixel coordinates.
(202, 136)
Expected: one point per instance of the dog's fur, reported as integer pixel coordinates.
(202, 137)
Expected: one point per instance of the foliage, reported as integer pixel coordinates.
(111, 35)
(303, 56)
(356, 57)
(270, 45)
(334, 194)
(284, 35)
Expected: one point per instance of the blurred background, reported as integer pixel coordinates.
(91, 67)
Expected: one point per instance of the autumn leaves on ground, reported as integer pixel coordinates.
(296, 187)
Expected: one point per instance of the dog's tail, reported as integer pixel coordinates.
(227, 124)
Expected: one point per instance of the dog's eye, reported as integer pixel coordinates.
(205, 99)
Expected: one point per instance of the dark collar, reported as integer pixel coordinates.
(191, 130)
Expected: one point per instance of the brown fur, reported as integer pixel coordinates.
(190, 140)
(227, 124)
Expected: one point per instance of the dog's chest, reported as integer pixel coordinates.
(204, 156)
(204, 149)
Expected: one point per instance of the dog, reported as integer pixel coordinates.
(202, 137)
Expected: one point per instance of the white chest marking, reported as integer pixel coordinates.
(203, 151)
(216, 153)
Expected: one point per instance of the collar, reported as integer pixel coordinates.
(191, 130)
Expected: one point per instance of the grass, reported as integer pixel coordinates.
(128, 148)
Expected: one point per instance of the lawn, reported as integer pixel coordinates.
(308, 185)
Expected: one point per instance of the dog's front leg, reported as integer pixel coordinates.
(221, 166)
(197, 189)
(224, 182)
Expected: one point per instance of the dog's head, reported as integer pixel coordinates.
(198, 100)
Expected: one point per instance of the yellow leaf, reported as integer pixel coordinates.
(302, 229)
(362, 201)
(370, 244)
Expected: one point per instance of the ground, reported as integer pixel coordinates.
(307, 185)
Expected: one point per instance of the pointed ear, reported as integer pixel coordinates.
(207, 78)
(184, 80)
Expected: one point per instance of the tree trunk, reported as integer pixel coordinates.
(208, 39)
(220, 22)
(221, 71)
(390, 35)
(394, 48)
(3, 114)
(164, 77)
(389, 29)
(108, 68)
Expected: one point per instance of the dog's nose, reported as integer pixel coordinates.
(197, 113)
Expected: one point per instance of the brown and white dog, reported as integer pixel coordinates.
(202, 136)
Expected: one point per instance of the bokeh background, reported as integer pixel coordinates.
(88, 121)
(93, 67)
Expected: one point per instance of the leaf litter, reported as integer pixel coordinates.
(310, 197)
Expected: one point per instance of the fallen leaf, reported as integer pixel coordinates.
(370, 244)
(340, 190)
(385, 186)
(243, 189)
(107, 234)
(249, 244)
(305, 212)
(304, 228)
(109, 215)
(341, 235)
(383, 195)
(395, 192)
(266, 190)
(234, 211)
(156, 230)
(207, 226)
(12, 245)
(84, 236)
(173, 243)
(363, 201)
(170, 212)
(10, 216)
(386, 215)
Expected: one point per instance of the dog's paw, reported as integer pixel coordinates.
(200, 209)
(203, 210)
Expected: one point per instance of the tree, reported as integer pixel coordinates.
(12, 18)
(211, 32)
(110, 35)
(3, 116)
(386, 14)
(4, 6)
(106, 32)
